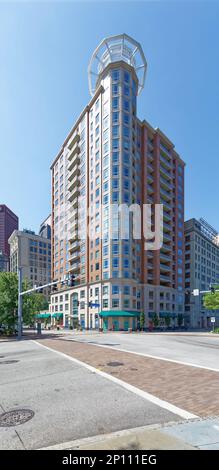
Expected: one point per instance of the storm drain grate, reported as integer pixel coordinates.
(115, 364)
(11, 361)
(15, 417)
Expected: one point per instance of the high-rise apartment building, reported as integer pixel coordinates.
(32, 253)
(201, 270)
(111, 157)
(8, 223)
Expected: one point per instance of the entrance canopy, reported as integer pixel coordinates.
(57, 315)
(43, 315)
(118, 313)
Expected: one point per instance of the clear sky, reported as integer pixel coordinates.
(45, 48)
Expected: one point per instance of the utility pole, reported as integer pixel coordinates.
(19, 304)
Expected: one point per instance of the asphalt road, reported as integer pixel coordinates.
(69, 401)
(199, 349)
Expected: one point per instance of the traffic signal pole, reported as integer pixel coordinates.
(19, 335)
(29, 291)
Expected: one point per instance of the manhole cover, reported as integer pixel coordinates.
(15, 417)
(115, 364)
(12, 361)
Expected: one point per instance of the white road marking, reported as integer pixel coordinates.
(147, 396)
(175, 361)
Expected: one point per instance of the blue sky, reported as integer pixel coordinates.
(44, 53)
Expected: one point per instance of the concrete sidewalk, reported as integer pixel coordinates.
(145, 437)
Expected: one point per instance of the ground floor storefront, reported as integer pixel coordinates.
(119, 320)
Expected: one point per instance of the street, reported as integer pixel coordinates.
(78, 386)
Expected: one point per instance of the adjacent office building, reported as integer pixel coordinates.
(8, 223)
(201, 270)
(45, 228)
(112, 157)
(33, 253)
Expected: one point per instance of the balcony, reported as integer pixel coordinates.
(165, 162)
(75, 171)
(75, 255)
(74, 266)
(166, 236)
(165, 204)
(165, 278)
(74, 193)
(165, 257)
(150, 168)
(149, 200)
(166, 183)
(150, 178)
(150, 265)
(166, 227)
(166, 247)
(73, 246)
(165, 172)
(74, 160)
(165, 149)
(165, 194)
(150, 189)
(167, 216)
(73, 183)
(165, 267)
(74, 141)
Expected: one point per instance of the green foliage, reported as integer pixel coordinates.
(32, 303)
(180, 319)
(167, 320)
(155, 320)
(216, 330)
(142, 320)
(211, 301)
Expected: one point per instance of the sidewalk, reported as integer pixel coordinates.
(146, 437)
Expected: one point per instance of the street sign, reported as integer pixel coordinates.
(195, 292)
(212, 319)
(94, 304)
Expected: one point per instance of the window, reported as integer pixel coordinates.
(115, 303)
(105, 290)
(115, 75)
(115, 290)
(115, 262)
(115, 118)
(126, 290)
(126, 303)
(126, 77)
(115, 103)
(105, 303)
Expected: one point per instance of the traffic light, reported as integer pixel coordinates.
(54, 287)
(40, 291)
(187, 297)
(72, 280)
(212, 289)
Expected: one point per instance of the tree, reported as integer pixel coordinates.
(32, 303)
(156, 320)
(8, 298)
(142, 320)
(167, 320)
(180, 319)
(211, 301)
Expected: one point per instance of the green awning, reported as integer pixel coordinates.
(118, 313)
(57, 315)
(43, 315)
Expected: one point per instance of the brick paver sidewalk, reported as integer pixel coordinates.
(193, 389)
